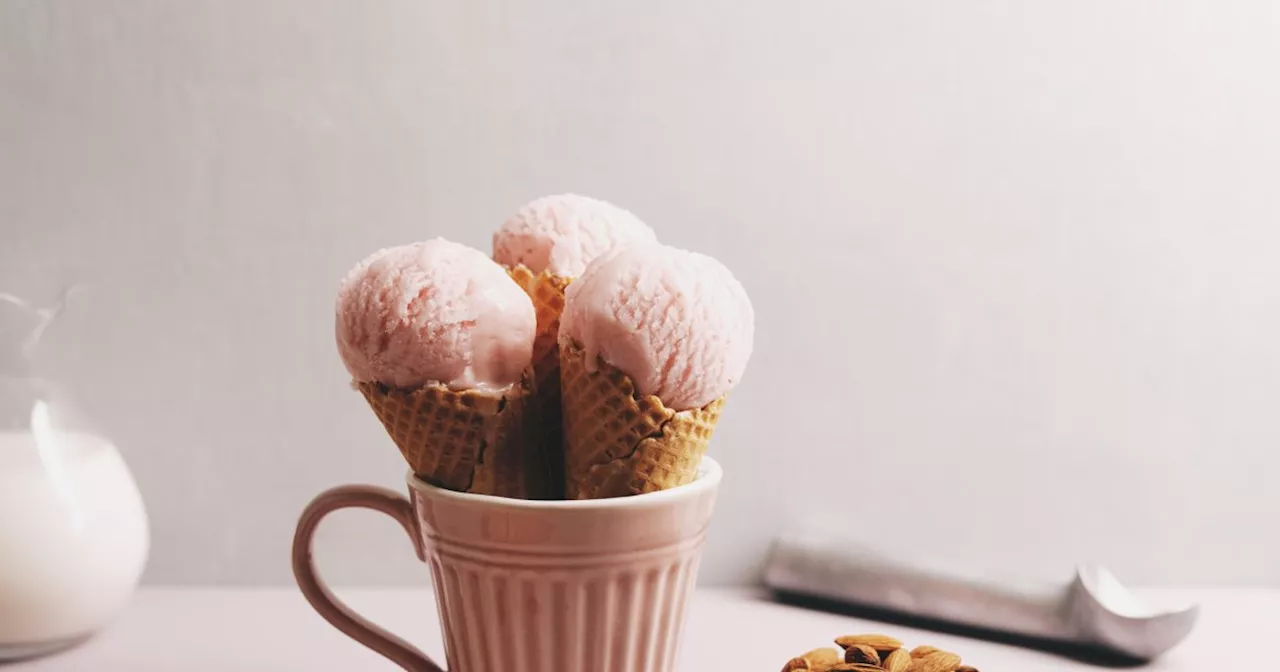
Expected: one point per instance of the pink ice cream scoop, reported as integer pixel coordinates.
(676, 322)
(434, 312)
(562, 234)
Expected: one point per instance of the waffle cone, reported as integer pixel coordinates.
(619, 443)
(468, 440)
(547, 293)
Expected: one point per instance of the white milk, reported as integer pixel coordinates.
(73, 537)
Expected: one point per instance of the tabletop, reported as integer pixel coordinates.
(216, 630)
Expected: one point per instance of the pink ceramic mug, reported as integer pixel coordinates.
(560, 586)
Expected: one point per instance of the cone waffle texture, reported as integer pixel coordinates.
(618, 443)
(468, 440)
(546, 291)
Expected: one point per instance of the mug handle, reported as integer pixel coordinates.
(323, 600)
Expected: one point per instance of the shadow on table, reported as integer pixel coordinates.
(13, 656)
(1079, 653)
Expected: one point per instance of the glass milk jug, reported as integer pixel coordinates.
(73, 531)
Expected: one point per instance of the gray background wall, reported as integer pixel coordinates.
(1015, 264)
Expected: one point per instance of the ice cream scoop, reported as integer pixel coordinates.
(676, 322)
(1093, 610)
(545, 246)
(561, 234)
(434, 311)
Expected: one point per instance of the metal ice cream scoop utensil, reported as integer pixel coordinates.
(1094, 610)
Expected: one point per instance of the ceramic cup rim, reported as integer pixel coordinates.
(709, 476)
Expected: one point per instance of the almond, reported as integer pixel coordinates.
(922, 651)
(881, 643)
(861, 653)
(898, 660)
(854, 667)
(938, 661)
(818, 660)
(966, 668)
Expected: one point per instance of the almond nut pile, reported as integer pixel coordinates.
(877, 652)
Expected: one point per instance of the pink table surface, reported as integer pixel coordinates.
(216, 630)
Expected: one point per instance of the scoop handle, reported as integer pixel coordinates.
(854, 575)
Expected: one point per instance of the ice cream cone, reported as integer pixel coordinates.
(547, 293)
(470, 440)
(619, 443)
(546, 290)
